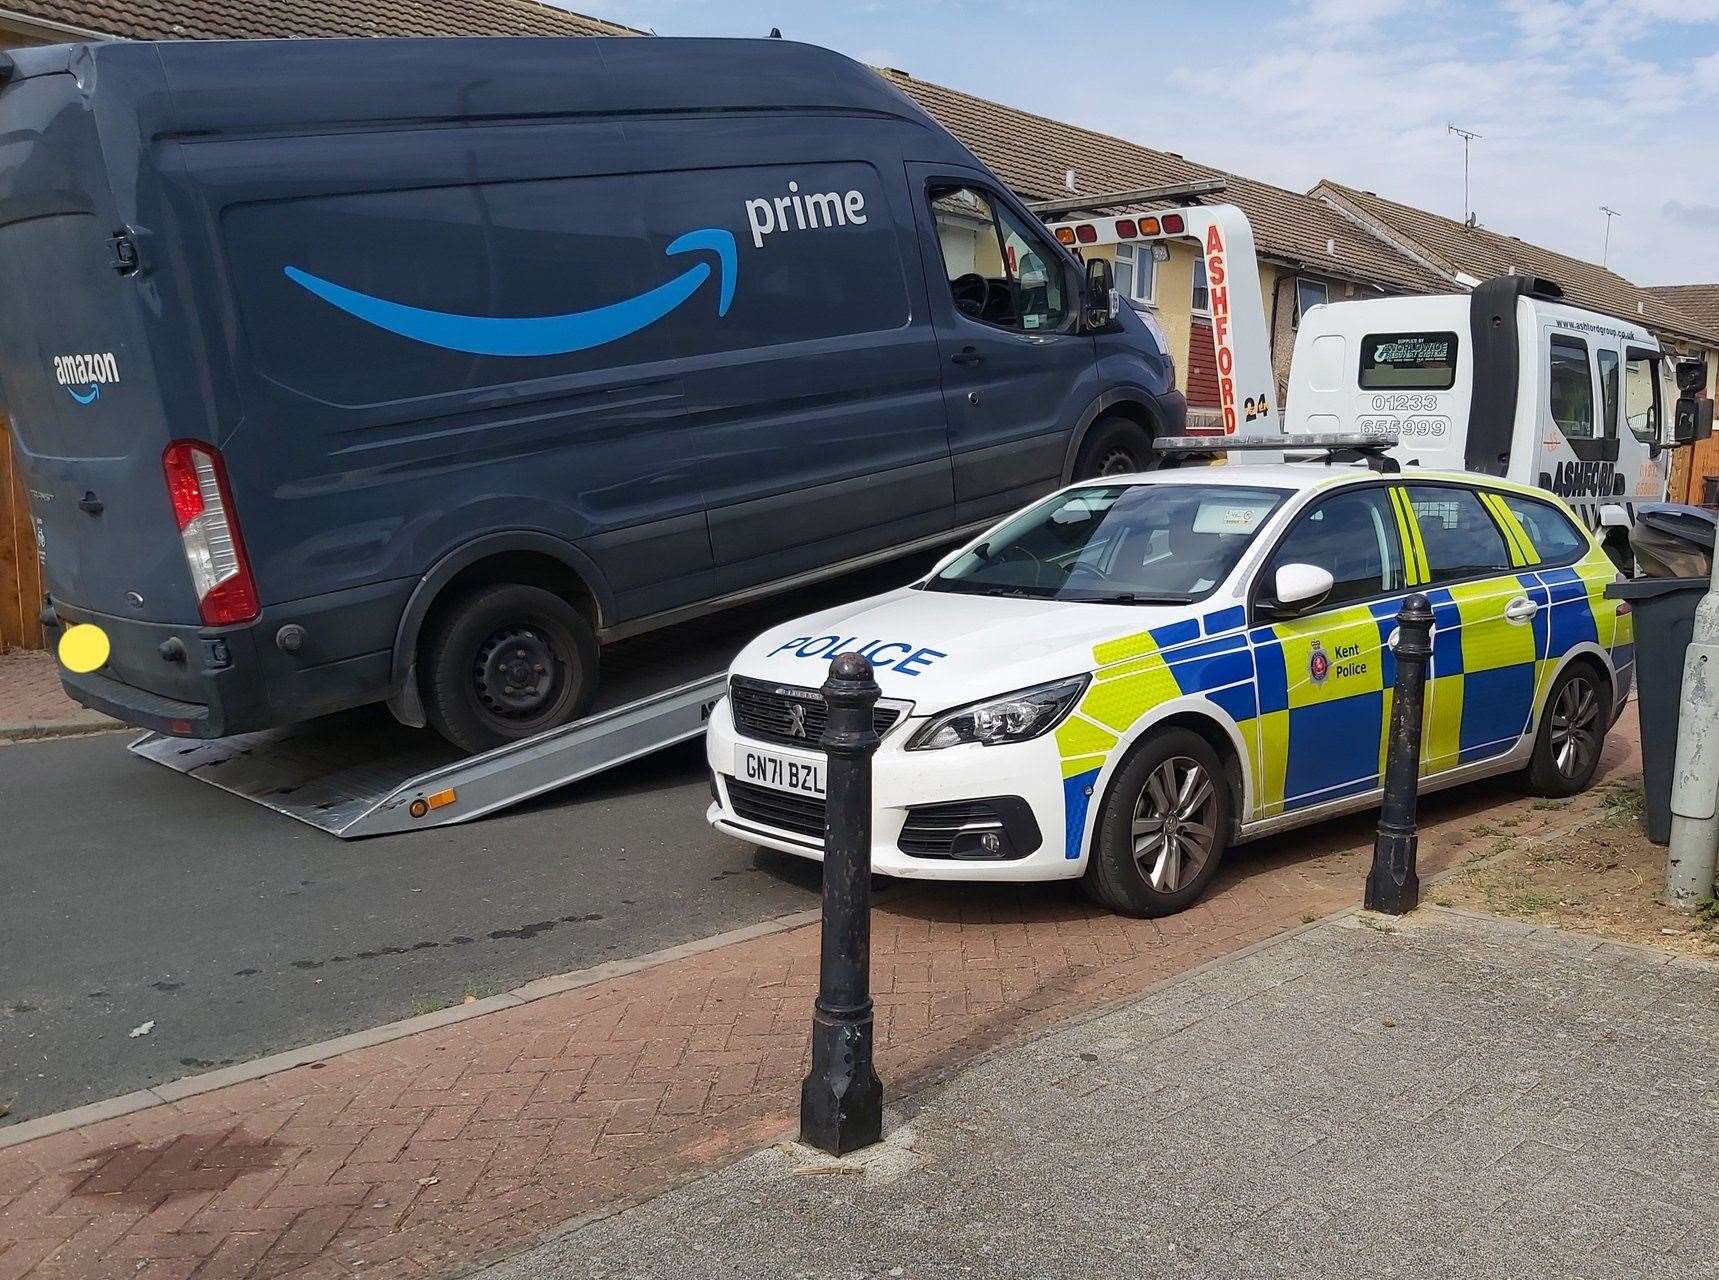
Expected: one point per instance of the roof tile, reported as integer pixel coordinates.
(1031, 153)
(1482, 252)
(239, 19)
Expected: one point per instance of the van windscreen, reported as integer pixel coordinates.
(1408, 361)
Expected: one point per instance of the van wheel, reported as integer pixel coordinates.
(1572, 733)
(1115, 446)
(1163, 829)
(504, 663)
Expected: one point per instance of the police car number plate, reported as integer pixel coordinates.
(782, 773)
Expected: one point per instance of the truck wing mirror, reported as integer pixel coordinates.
(1691, 420)
(1101, 299)
(1691, 376)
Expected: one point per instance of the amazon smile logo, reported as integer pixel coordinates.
(84, 375)
(553, 335)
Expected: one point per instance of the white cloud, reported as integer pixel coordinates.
(1579, 103)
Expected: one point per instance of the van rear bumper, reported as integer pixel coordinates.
(233, 680)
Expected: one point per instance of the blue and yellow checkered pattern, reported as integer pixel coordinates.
(1310, 698)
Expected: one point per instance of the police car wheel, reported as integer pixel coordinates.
(1572, 733)
(506, 662)
(1114, 447)
(1163, 828)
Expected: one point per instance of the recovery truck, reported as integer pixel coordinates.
(1508, 380)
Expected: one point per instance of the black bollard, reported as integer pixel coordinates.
(1393, 885)
(841, 1098)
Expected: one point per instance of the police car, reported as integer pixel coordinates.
(1125, 679)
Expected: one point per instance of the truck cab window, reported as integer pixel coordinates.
(1608, 393)
(1641, 395)
(1571, 382)
(999, 272)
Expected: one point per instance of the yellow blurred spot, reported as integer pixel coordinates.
(84, 648)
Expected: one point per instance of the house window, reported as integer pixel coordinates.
(1202, 298)
(1136, 273)
(1309, 293)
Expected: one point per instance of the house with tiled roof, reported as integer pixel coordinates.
(1308, 253)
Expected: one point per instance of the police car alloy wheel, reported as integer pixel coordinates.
(1572, 735)
(1163, 829)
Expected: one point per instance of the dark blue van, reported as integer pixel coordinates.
(417, 370)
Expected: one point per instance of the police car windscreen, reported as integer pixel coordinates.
(1408, 361)
(1117, 544)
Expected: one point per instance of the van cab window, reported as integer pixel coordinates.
(1460, 539)
(1641, 395)
(999, 271)
(1352, 537)
(1571, 381)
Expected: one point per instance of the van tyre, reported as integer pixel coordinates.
(1163, 829)
(1572, 733)
(1115, 446)
(506, 662)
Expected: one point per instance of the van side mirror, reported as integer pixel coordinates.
(1296, 588)
(1101, 299)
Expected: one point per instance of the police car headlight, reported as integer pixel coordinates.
(1014, 717)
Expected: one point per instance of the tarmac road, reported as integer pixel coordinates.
(130, 894)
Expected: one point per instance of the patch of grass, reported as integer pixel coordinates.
(1443, 902)
(427, 1004)
(1707, 912)
(1545, 805)
(483, 990)
(1503, 845)
(1622, 804)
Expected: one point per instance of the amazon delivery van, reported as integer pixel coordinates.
(417, 370)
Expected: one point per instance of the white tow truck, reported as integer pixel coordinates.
(1507, 380)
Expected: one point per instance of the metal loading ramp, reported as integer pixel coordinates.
(360, 773)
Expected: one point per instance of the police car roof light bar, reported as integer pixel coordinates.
(1329, 447)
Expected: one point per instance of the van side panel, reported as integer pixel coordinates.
(458, 329)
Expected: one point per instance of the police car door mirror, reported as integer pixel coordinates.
(1100, 292)
(1300, 587)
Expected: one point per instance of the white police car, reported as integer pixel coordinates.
(1131, 675)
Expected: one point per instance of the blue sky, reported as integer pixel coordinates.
(1580, 102)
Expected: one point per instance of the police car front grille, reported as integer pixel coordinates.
(767, 712)
(781, 810)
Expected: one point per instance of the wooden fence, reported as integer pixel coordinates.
(20, 569)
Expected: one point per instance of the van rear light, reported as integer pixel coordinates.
(209, 533)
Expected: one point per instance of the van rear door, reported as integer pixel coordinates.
(86, 422)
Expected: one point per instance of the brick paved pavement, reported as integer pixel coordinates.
(32, 703)
(409, 1157)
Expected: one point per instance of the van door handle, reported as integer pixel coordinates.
(1520, 609)
(967, 355)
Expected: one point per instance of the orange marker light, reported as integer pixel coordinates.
(1065, 235)
(441, 799)
(1148, 226)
